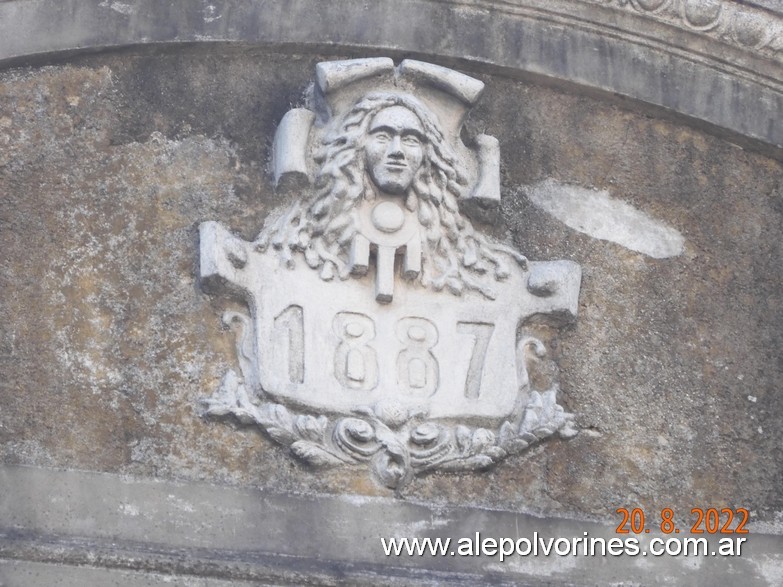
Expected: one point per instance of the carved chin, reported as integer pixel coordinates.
(394, 184)
(395, 188)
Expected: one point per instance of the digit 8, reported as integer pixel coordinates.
(355, 361)
(417, 367)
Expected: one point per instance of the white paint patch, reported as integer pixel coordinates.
(121, 7)
(597, 214)
(771, 568)
(129, 509)
(180, 504)
(418, 528)
(538, 566)
(773, 526)
(211, 14)
(692, 563)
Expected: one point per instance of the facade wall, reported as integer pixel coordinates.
(124, 127)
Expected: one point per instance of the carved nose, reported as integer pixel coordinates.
(395, 148)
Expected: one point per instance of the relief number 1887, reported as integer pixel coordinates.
(356, 359)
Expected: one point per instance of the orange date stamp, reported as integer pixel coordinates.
(706, 521)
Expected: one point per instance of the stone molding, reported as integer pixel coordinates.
(716, 63)
(81, 526)
(749, 27)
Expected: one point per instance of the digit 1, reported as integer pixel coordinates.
(292, 321)
(481, 334)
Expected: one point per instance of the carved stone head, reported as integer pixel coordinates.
(394, 149)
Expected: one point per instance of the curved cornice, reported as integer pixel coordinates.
(718, 63)
(754, 26)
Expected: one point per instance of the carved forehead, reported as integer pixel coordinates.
(397, 118)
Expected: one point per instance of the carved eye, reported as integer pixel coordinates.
(411, 141)
(382, 137)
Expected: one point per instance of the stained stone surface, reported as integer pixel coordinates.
(107, 530)
(108, 164)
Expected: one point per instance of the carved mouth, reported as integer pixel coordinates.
(396, 165)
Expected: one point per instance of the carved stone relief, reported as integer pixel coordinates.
(732, 22)
(382, 328)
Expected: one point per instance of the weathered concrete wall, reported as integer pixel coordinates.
(112, 163)
(109, 162)
(138, 532)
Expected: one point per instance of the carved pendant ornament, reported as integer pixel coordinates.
(381, 328)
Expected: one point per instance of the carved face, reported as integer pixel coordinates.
(394, 149)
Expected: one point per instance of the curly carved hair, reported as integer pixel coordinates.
(321, 227)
